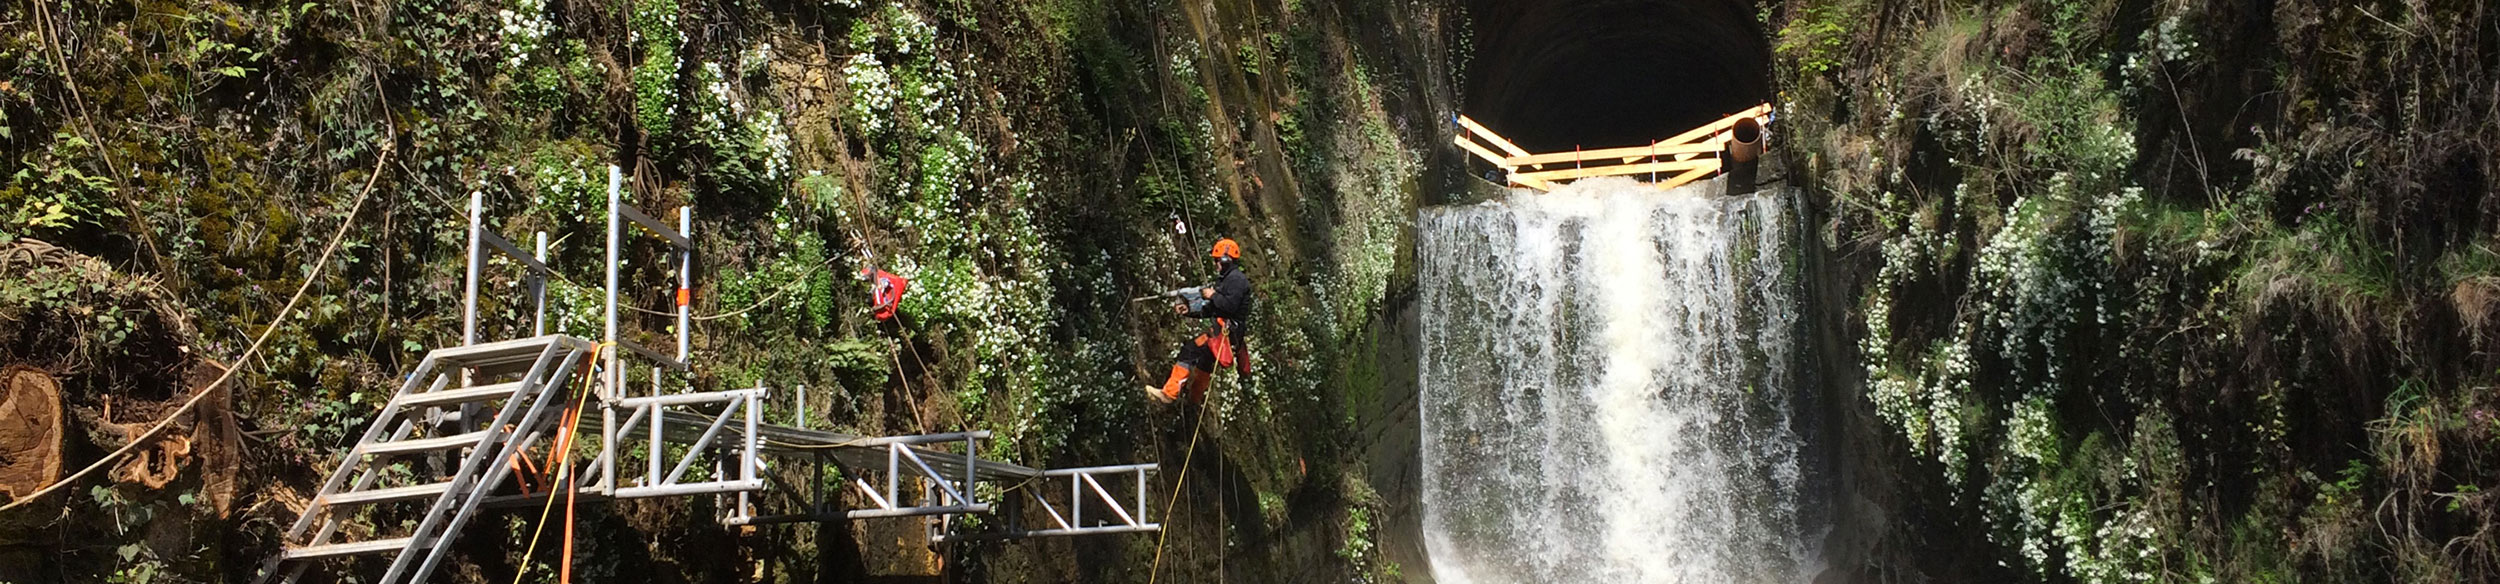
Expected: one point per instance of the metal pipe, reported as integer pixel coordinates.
(1740, 159)
(718, 472)
(933, 476)
(691, 489)
(924, 438)
(1148, 527)
(631, 420)
(994, 536)
(778, 519)
(1052, 511)
(654, 479)
(692, 398)
(685, 284)
(616, 182)
(468, 301)
(917, 511)
(709, 434)
(1107, 500)
(746, 464)
(607, 443)
(1062, 472)
(538, 288)
(882, 501)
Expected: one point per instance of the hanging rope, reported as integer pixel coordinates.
(785, 287)
(564, 450)
(1156, 570)
(313, 275)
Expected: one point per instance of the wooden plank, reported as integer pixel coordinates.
(1686, 155)
(1617, 170)
(1688, 176)
(1626, 154)
(1714, 128)
(1489, 136)
(1480, 151)
(1702, 140)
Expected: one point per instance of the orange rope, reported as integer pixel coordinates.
(564, 472)
(564, 571)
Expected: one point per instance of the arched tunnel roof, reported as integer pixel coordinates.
(1552, 75)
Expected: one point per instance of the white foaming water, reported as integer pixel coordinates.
(1606, 383)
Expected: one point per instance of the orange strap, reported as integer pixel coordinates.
(525, 472)
(684, 296)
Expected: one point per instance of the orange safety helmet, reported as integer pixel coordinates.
(1226, 249)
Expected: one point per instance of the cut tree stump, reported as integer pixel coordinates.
(30, 430)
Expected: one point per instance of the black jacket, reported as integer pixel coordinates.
(1232, 296)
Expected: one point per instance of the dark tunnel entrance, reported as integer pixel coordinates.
(1553, 75)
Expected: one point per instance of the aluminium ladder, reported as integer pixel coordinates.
(528, 379)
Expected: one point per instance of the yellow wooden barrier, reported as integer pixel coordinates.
(1621, 169)
(1692, 155)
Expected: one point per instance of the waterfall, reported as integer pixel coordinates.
(1606, 378)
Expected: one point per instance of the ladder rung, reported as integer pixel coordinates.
(498, 352)
(461, 396)
(425, 444)
(390, 494)
(348, 549)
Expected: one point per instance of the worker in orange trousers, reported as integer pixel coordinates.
(1224, 302)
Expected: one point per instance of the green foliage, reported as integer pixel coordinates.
(2102, 335)
(101, 313)
(50, 193)
(1359, 544)
(656, 34)
(238, 132)
(2326, 264)
(2348, 482)
(1247, 58)
(138, 563)
(863, 365)
(1815, 39)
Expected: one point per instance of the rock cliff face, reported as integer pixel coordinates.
(2098, 290)
(2156, 291)
(1600, 74)
(1025, 163)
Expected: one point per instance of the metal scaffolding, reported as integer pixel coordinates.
(683, 441)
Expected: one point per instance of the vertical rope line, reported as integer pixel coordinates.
(1155, 571)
